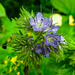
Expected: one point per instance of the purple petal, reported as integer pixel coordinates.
(46, 54)
(55, 28)
(38, 16)
(49, 49)
(56, 40)
(31, 21)
(38, 50)
(50, 21)
(62, 40)
(46, 21)
(56, 43)
(35, 28)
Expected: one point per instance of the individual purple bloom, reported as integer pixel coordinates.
(46, 51)
(39, 23)
(39, 48)
(42, 48)
(54, 40)
(50, 27)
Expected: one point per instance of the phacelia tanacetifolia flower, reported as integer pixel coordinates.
(43, 24)
(43, 49)
(54, 40)
(38, 23)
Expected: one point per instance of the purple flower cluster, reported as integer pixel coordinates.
(45, 24)
(53, 40)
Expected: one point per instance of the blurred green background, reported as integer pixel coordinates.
(64, 15)
(12, 7)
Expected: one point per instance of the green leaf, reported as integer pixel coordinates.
(65, 6)
(10, 26)
(34, 36)
(5, 52)
(23, 11)
(2, 66)
(3, 38)
(2, 11)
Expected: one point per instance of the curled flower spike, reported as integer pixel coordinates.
(43, 24)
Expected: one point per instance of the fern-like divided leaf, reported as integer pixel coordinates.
(23, 20)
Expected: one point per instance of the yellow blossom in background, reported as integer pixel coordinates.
(16, 66)
(29, 33)
(8, 40)
(21, 61)
(71, 20)
(18, 73)
(6, 60)
(14, 59)
(10, 70)
(57, 19)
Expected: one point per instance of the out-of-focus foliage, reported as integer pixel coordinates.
(14, 5)
(65, 6)
(6, 66)
(7, 27)
(2, 11)
(45, 6)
